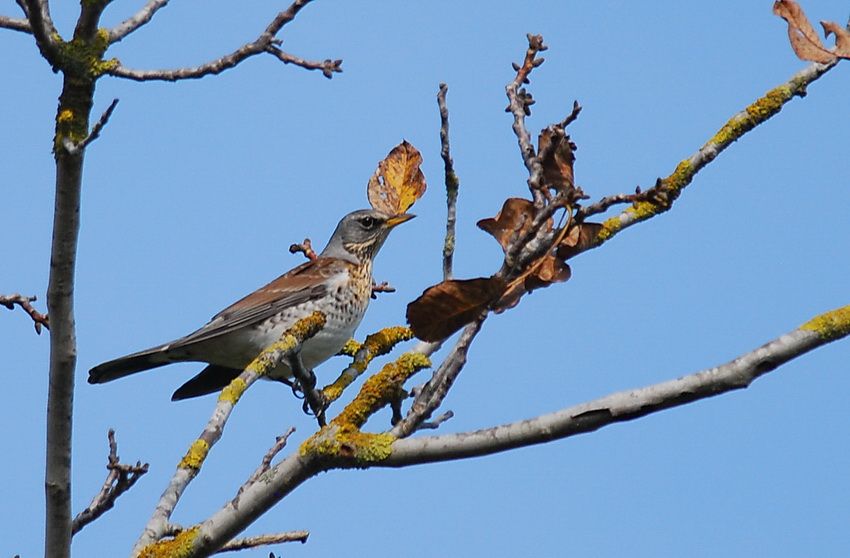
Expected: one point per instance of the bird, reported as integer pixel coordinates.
(338, 283)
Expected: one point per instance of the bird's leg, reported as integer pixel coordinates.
(315, 401)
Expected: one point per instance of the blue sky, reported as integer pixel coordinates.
(195, 190)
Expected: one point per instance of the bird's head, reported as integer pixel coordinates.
(361, 233)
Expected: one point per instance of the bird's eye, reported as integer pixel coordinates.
(368, 222)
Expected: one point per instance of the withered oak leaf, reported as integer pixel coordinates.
(804, 39)
(448, 306)
(579, 238)
(557, 157)
(398, 181)
(512, 221)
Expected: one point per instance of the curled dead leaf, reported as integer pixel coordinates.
(842, 37)
(549, 270)
(512, 221)
(557, 155)
(448, 306)
(804, 39)
(579, 238)
(398, 182)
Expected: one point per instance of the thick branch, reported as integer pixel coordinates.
(626, 405)
(15, 24)
(258, 46)
(188, 468)
(139, 19)
(42, 28)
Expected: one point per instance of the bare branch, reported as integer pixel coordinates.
(15, 24)
(262, 44)
(452, 184)
(626, 405)
(519, 104)
(382, 287)
(264, 540)
(42, 28)
(290, 342)
(120, 479)
(39, 319)
(431, 395)
(305, 248)
(667, 190)
(139, 19)
(327, 66)
(74, 148)
(265, 465)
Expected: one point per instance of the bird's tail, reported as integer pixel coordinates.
(130, 364)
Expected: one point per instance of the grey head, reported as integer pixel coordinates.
(360, 234)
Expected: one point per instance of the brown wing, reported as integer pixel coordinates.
(301, 284)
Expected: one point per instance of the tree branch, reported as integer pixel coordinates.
(189, 467)
(74, 148)
(262, 44)
(139, 19)
(327, 66)
(43, 29)
(660, 197)
(519, 104)
(452, 184)
(15, 24)
(39, 319)
(627, 405)
(120, 479)
(264, 540)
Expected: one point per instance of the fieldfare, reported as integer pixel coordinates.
(338, 283)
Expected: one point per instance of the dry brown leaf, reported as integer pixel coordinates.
(512, 221)
(842, 38)
(558, 156)
(448, 306)
(397, 182)
(550, 270)
(804, 39)
(578, 239)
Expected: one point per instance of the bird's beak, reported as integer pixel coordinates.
(398, 219)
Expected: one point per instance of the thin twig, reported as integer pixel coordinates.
(519, 104)
(431, 396)
(74, 148)
(15, 24)
(139, 19)
(305, 248)
(266, 463)
(327, 66)
(120, 479)
(260, 45)
(39, 319)
(264, 540)
(452, 184)
(382, 287)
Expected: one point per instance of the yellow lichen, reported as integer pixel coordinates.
(66, 115)
(376, 344)
(295, 335)
(350, 348)
(233, 391)
(381, 388)
(831, 325)
(348, 443)
(753, 115)
(179, 546)
(196, 455)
